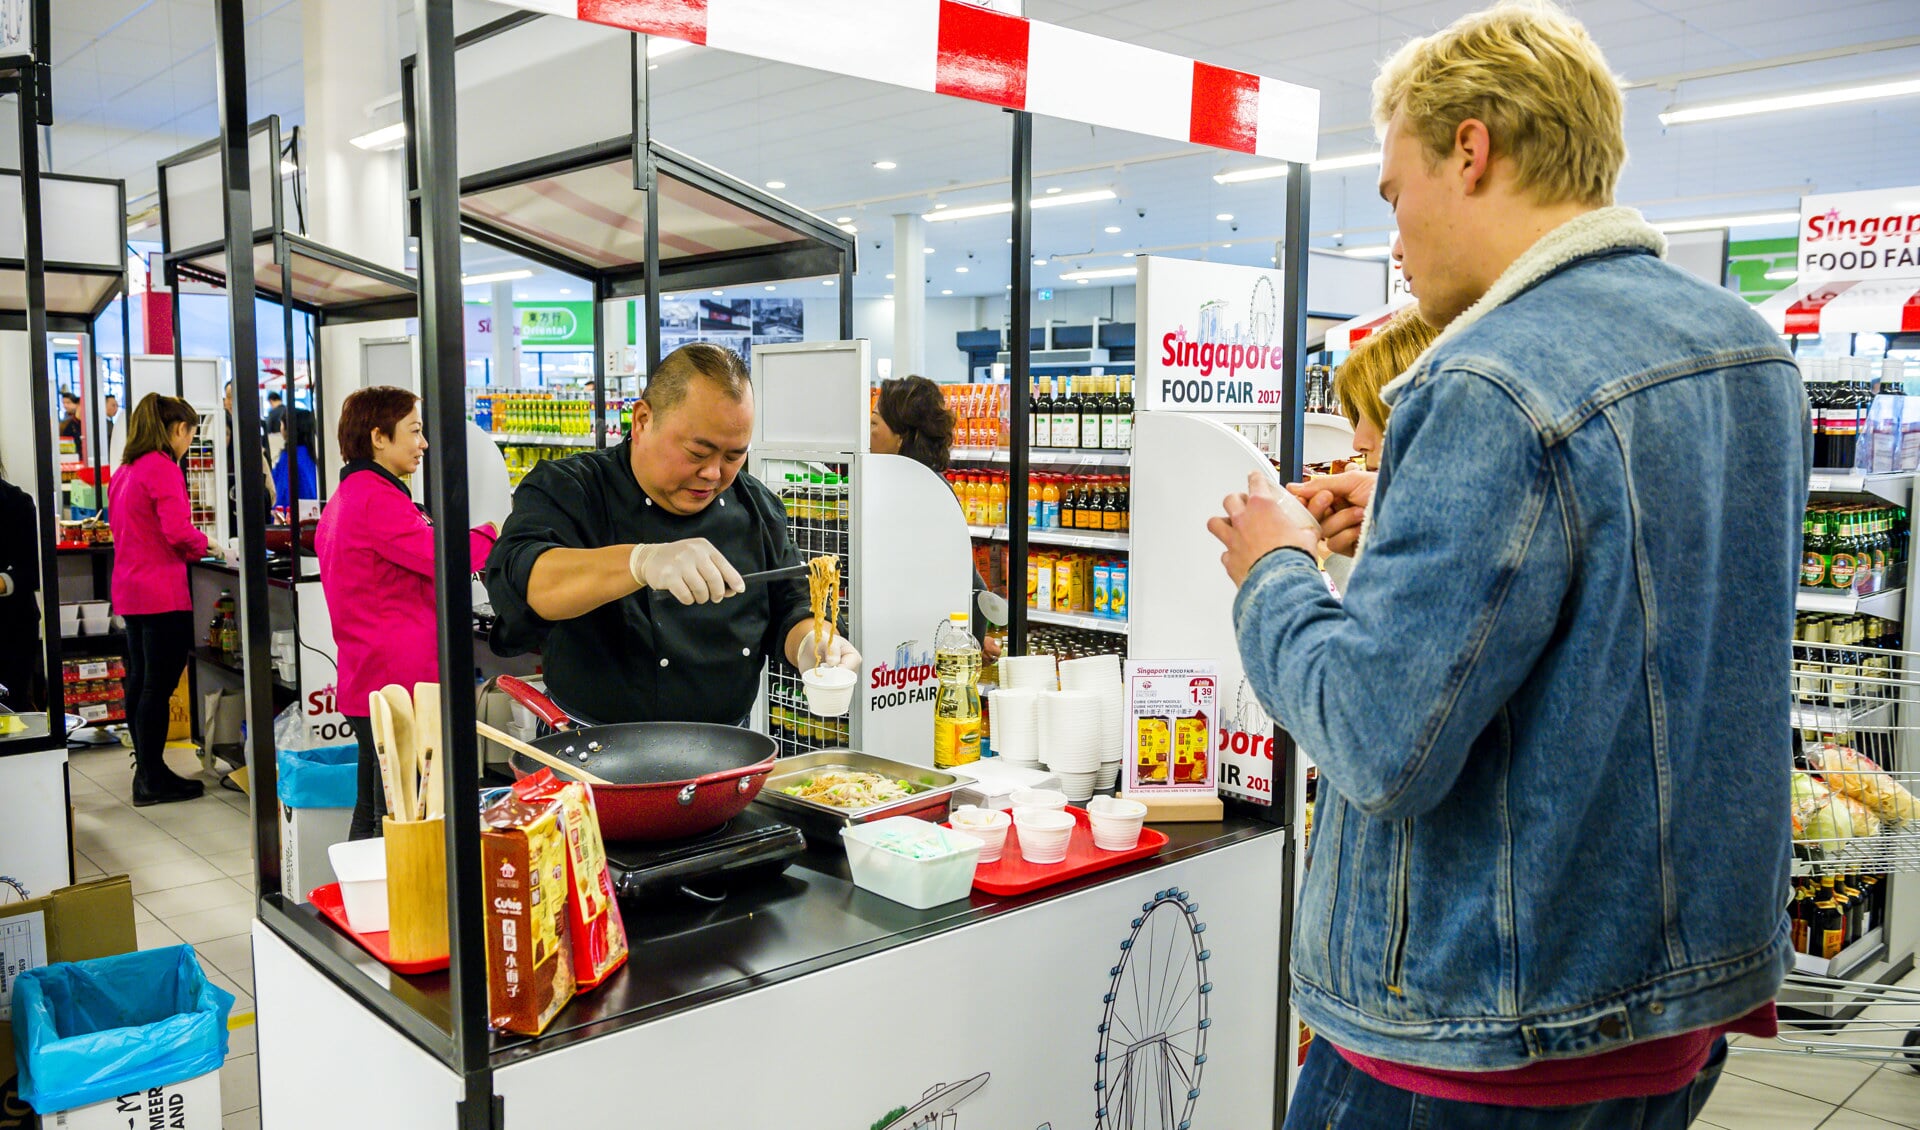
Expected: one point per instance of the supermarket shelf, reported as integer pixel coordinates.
(213, 658)
(1071, 539)
(535, 439)
(1888, 603)
(1895, 488)
(1046, 456)
(108, 643)
(1078, 620)
(1842, 966)
(1862, 715)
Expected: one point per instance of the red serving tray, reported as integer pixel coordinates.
(326, 900)
(1012, 875)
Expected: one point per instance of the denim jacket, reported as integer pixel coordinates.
(1551, 714)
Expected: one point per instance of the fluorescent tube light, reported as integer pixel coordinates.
(386, 137)
(1708, 223)
(1832, 96)
(1002, 207)
(496, 276)
(1102, 273)
(1274, 172)
(1376, 251)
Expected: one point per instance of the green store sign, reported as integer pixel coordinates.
(1749, 260)
(555, 323)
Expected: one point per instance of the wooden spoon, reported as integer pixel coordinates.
(380, 720)
(426, 724)
(406, 751)
(543, 757)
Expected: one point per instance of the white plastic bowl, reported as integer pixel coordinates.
(361, 867)
(1044, 834)
(1051, 799)
(1116, 822)
(829, 690)
(878, 865)
(988, 825)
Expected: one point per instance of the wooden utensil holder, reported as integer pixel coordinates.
(416, 889)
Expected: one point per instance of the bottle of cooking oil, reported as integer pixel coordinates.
(956, 709)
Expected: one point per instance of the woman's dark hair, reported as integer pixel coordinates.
(152, 424)
(915, 409)
(382, 407)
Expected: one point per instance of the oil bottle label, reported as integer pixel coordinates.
(956, 741)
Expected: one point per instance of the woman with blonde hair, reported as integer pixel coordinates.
(153, 539)
(1379, 358)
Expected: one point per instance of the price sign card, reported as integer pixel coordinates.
(1172, 717)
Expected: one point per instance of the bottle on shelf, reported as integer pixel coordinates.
(956, 705)
(1110, 415)
(1066, 416)
(1126, 416)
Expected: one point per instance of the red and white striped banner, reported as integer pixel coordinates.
(1883, 306)
(963, 50)
(1353, 331)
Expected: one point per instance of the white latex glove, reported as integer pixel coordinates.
(692, 570)
(840, 653)
(230, 552)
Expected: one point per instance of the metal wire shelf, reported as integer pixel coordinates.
(1856, 711)
(1835, 1019)
(818, 500)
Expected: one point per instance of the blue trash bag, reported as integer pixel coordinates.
(87, 1031)
(328, 777)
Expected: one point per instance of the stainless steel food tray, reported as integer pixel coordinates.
(824, 821)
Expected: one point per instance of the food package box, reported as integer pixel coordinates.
(598, 935)
(523, 853)
(77, 923)
(193, 1104)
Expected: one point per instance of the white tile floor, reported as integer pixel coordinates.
(192, 870)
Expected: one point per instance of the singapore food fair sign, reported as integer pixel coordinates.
(1849, 236)
(1211, 340)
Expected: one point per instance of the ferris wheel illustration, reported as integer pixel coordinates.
(1153, 1033)
(1263, 313)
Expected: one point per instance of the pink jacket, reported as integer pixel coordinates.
(153, 537)
(376, 567)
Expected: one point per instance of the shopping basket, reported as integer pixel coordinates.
(1856, 720)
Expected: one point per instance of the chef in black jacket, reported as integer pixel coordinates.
(623, 565)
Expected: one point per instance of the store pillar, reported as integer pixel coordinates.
(909, 294)
(506, 337)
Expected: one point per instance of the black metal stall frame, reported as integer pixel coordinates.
(25, 77)
(628, 175)
(449, 1019)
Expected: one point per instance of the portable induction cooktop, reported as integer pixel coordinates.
(754, 844)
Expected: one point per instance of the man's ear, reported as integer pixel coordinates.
(642, 415)
(1472, 153)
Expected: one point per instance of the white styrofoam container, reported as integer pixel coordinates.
(919, 883)
(995, 782)
(361, 867)
(193, 1104)
(305, 836)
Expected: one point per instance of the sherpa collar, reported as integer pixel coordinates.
(1590, 233)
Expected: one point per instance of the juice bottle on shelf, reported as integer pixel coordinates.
(956, 706)
(1033, 500)
(997, 501)
(1117, 590)
(1049, 502)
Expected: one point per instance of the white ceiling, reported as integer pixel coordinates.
(134, 82)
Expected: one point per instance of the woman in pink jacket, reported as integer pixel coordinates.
(153, 539)
(376, 566)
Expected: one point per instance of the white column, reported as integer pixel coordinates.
(351, 58)
(909, 294)
(506, 337)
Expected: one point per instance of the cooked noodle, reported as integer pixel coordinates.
(823, 590)
(849, 789)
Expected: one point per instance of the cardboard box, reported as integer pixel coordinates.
(77, 923)
(193, 1104)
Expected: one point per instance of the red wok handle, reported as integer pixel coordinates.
(741, 774)
(523, 692)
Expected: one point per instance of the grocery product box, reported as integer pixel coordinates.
(190, 1105)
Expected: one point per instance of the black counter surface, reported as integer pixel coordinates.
(685, 955)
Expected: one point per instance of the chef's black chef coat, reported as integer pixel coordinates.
(645, 657)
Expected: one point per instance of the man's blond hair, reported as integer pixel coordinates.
(1537, 80)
